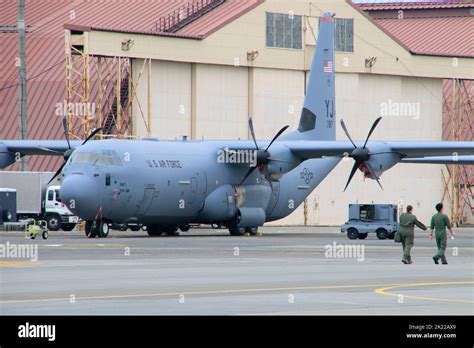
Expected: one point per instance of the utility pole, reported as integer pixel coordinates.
(22, 77)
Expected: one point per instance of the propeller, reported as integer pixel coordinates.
(66, 154)
(361, 155)
(263, 156)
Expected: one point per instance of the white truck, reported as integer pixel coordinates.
(37, 200)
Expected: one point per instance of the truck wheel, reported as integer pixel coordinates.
(381, 233)
(68, 227)
(362, 235)
(103, 228)
(53, 222)
(352, 233)
(91, 229)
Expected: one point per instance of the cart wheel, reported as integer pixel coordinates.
(352, 233)
(45, 234)
(382, 233)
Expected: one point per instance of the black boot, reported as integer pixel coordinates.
(443, 260)
(435, 259)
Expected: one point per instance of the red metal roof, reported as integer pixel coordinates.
(446, 36)
(390, 6)
(435, 28)
(45, 56)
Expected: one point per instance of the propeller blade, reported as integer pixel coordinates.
(66, 131)
(57, 173)
(374, 125)
(49, 150)
(252, 132)
(354, 169)
(343, 125)
(276, 136)
(92, 135)
(369, 167)
(249, 172)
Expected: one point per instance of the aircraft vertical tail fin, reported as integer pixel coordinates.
(317, 121)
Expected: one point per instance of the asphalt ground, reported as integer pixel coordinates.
(285, 271)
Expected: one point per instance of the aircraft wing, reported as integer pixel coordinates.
(462, 160)
(406, 149)
(36, 147)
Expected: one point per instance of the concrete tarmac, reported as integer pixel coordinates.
(286, 271)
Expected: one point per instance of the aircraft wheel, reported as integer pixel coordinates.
(252, 230)
(362, 235)
(154, 230)
(352, 233)
(103, 229)
(184, 228)
(91, 229)
(381, 233)
(171, 230)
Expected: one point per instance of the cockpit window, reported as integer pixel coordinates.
(106, 158)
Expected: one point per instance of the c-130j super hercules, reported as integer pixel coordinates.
(167, 184)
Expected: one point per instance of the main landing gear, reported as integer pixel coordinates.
(156, 230)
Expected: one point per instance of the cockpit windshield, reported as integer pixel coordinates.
(107, 157)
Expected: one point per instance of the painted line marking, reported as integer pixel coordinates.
(383, 291)
(208, 292)
(18, 263)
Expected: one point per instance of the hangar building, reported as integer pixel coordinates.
(201, 68)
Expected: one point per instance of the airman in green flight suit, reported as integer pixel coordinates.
(408, 221)
(439, 223)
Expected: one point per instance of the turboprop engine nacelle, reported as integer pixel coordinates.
(281, 161)
(379, 163)
(6, 157)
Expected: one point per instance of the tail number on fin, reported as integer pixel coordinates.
(329, 112)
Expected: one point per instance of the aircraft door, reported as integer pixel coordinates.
(144, 205)
(192, 191)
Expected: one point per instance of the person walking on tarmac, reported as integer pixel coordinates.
(439, 223)
(407, 232)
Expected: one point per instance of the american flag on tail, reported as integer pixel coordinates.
(328, 66)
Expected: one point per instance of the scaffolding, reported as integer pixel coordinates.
(100, 91)
(458, 124)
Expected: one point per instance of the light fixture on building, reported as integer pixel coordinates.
(370, 62)
(127, 44)
(252, 55)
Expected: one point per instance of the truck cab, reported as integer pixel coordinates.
(56, 214)
(381, 219)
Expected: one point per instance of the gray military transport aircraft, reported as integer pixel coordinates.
(165, 185)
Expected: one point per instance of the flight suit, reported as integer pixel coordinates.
(439, 223)
(407, 231)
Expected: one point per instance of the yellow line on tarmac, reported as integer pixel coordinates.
(383, 291)
(18, 263)
(203, 292)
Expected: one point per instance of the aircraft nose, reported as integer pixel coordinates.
(80, 194)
